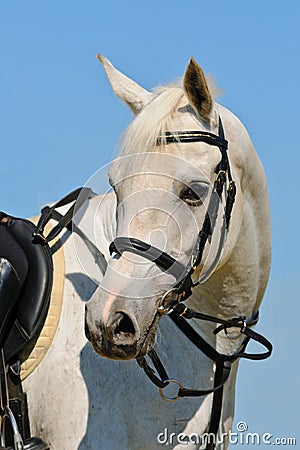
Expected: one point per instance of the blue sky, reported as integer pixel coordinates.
(59, 122)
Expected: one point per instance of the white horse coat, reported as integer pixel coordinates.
(80, 400)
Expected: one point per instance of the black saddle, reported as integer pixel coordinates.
(25, 309)
(26, 254)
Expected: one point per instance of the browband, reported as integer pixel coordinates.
(170, 137)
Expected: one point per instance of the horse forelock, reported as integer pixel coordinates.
(157, 117)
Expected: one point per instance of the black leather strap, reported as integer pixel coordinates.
(221, 376)
(10, 289)
(223, 362)
(164, 261)
(162, 380)
(194, 337)
(216, 409)
(181, 312)
(78, 196)
(97, 254)
(170, 137)
(251, 334)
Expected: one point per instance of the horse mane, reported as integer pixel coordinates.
(155, 119)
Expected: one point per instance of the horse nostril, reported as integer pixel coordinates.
(121, 327)
(124, 326)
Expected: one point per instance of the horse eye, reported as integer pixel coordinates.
(194, 194)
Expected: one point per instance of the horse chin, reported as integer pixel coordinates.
(116, 352)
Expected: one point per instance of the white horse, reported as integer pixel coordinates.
(80, 400)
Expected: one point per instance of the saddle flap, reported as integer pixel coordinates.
(34, 301)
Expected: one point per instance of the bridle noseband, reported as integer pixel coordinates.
(182, 290)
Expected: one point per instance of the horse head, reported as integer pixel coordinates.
(165, 182)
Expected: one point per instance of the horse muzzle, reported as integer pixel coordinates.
(121, 328)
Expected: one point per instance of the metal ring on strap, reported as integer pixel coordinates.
(170, 399)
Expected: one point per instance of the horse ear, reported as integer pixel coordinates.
(135, 96)
(197, 90)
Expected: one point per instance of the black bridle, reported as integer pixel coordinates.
(182, 290)
(165, 262)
